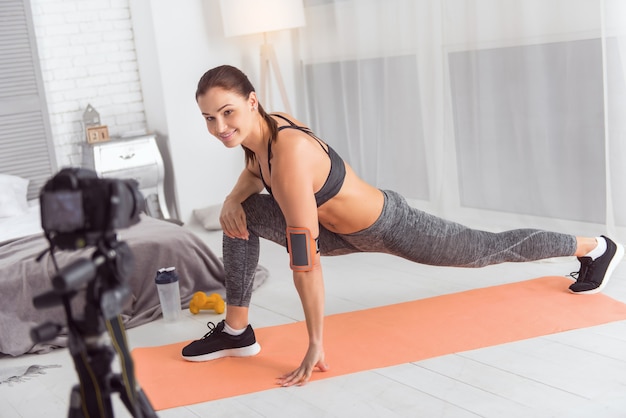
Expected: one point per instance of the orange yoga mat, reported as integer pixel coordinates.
(379, 337)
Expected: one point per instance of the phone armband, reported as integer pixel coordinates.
(302, 248)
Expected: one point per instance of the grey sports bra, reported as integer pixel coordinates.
(337, 172)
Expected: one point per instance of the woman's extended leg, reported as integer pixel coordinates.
(418, 236)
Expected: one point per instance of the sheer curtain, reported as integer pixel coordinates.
(494, 113)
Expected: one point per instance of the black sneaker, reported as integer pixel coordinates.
(216, 344)
(594, 274)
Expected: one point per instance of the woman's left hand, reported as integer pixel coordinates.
(300, 376)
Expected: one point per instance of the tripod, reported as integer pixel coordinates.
(96, 336)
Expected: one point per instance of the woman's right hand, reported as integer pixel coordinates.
(233, 220)
(314, 359)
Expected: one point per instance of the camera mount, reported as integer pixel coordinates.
(98, 335)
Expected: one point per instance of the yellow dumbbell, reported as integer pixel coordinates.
(201, 300)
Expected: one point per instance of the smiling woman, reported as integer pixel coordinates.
(230, 89)
(317, 205)
(217, 124)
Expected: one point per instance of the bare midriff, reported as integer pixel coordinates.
(356, 207)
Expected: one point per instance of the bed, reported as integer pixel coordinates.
(155, 244)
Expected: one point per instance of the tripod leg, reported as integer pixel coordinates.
(141, 408)
(76, 404)
(93, 366)
(145, 405)
(133, 397)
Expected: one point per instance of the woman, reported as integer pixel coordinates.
(318, 206)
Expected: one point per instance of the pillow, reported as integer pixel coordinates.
(13, 192)
(209, 217)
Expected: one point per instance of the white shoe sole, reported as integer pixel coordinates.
(248, 351)
(617, 257)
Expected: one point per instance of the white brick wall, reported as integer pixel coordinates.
(87, 55)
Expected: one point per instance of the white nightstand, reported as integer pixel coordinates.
(132, 158)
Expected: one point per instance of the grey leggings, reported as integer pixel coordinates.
(400, 230)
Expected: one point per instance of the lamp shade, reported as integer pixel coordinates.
(243, 17)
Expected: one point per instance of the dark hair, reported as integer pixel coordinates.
(232, 79)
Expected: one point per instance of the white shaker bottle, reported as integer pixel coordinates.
(169, 293)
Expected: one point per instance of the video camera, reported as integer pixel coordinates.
(78, 208)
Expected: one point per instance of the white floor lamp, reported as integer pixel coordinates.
(244, 17)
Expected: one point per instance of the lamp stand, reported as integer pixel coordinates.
(269, 61)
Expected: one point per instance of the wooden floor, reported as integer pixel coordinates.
(580, 373)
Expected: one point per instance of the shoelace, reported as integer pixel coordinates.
(584, 268)
(212, 328)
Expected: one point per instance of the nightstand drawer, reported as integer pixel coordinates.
(121, 156)
(147, 176)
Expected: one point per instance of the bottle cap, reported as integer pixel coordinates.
(166, 275)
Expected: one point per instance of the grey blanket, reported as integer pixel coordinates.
(155, 244)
